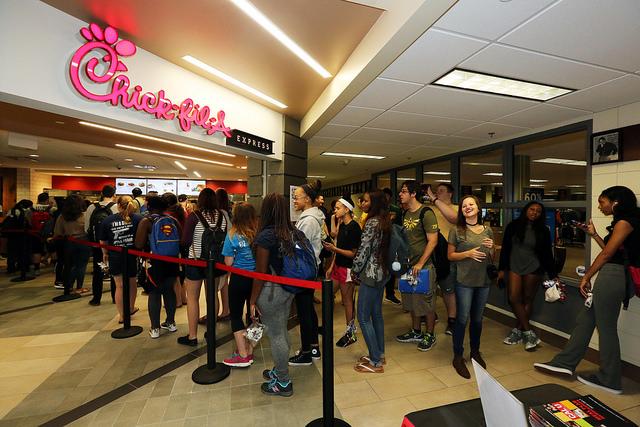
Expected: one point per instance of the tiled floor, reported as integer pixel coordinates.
(56, 357)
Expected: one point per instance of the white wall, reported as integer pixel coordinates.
(607, 175)
(37, 43)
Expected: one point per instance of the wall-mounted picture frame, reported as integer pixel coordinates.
(606, 148)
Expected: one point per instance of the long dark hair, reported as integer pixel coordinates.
(627, 203)
(174, 208)
(461, 222)
(522, 221)
(275, 213)
(207, 201)
(72, 208)
(222, 197)
(379, 209)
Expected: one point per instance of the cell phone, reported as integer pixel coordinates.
(579, 224)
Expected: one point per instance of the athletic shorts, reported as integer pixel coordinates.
(339, 274)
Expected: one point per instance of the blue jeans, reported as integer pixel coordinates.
(470, 304)
(369, 312)
(75, 264)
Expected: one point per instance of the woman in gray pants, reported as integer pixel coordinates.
(270, 300)
(607, 293)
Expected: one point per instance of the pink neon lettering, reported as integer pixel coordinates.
(120, 94)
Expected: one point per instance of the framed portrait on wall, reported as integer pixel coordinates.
(606, 148)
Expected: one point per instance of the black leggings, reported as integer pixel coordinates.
(239, 295)
(161, 288)
(308, 319)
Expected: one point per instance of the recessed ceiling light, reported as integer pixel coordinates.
(492, 174)
(276, 32)
(316, 176)
(240, 179)
(556, 161)
(358, 156)
(437, 173)
(153, 138)
(78, 167)
(575, 186)
(128, 160)
(499, 184)
(33, 155)
(180, 165)
(538, 180)
(105, 176)
(197, 174)
(471, 80)
(443, 180)
(209, 69)
(180, 156)
(67, 174)
(536, 185)
(58, 122)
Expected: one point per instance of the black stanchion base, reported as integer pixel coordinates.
(63, 298)
(204, 375)
(121, 333)
(21, 279)
(319, 422)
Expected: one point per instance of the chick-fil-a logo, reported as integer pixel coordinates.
(187, 112)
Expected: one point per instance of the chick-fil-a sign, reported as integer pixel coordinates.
(122, 93)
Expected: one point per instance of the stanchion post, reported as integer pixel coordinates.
(127, 330)
(213, 372)
(328, 419)
(67, 295)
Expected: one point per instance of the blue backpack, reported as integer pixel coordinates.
(165, 236)
(301, 264)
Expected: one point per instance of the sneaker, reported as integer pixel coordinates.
(154, 333)
(393, 300)
(514, 337)
(237, 361)
(427, 342)
(411, 336)
(315, 353)
(301, 359)
(593, 381)
(450, 326)
(171, 327)
(347, 339)
(185, 340)
(269, 374)
(548, 368)
(531, 340)
(58, 285)
(277, 388)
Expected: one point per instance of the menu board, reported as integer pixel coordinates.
(162, 186)
(125, 185)
(191, 187)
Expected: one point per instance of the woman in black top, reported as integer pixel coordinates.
(608, 292)
(525, 257)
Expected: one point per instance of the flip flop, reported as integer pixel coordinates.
(135, 310)
(366, 368)
(366, 359)
(202, 320)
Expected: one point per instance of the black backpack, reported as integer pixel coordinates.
(212, 242)
(440, 253)
(99, 214)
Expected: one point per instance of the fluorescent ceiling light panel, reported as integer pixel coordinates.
(538, 180)
(197, 174)
(153, 138)
(556, 161)
(437, 173)
(499, 184)
(481, 164)
(180, 156)
(443, 180)
(480, 82)
(209, 69)
(260, 19)
(180, 165)
(358, 156)
(576, 186)
(492, 174)
(316, 176)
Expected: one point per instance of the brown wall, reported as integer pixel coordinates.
(8, 177)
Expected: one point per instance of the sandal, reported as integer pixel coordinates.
(224, 318)
(134, 311)
(367, 368)
(366, 359)
(202, 320)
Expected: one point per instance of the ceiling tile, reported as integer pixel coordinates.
(461, 104)
(320, 141)
(369, 147)
(488, 19)
(500, 131)
(458, 142)
(355, 116)
(393, 136)
(336, 131)
(621, 91)
(542, 115)
(432, 55)
(384, 93)
(539, 68)
(599, 34)
(420, 123)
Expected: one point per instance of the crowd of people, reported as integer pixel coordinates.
(448, 245)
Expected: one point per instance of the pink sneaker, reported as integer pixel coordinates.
(237, 361)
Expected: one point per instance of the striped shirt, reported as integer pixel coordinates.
(194, 229)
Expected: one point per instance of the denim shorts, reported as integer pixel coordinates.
(195, 273)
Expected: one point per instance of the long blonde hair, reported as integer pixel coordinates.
(126, 208)
(245, 221)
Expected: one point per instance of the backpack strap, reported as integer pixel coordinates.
(109, 205)
(202, 219)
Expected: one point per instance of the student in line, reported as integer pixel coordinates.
(270, 300)
(471, 248)
(370, 267)
(609, 291)
(120, 230)
(175, 210)
(238, 253)
(348, 241)
(206, 211)
(525, 257)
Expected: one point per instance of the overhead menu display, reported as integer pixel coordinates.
(125, 185)
(191, 187)
(162, 186)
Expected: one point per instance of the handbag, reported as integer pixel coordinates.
(410, 284)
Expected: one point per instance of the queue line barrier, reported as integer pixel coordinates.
(213, 371)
